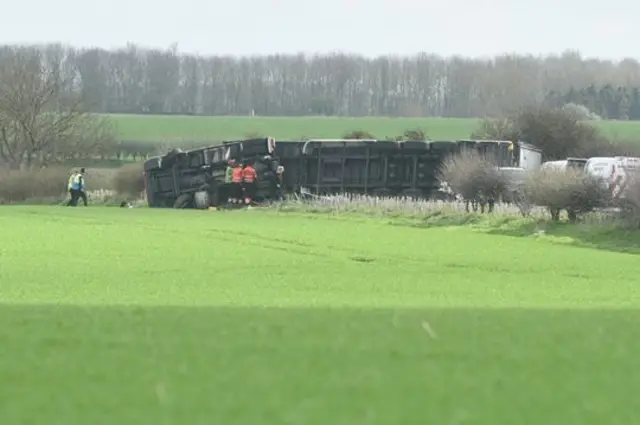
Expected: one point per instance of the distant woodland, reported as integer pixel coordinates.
(136, 80)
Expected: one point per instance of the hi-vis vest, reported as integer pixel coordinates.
(237, 175)
(74, 181)
(228, 175)
(249, 174)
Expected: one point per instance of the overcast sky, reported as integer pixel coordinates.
(368, 27)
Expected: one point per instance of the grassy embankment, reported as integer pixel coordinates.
(139, 316)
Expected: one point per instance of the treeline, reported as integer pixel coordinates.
(607, 102)
(136, 80)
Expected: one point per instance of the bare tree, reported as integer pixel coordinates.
(42, 120)
(557, 131)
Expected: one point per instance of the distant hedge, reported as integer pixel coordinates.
(128, 180)
(17, 186)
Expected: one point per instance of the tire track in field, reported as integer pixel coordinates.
(292, 246)
(364, 257)
(272, 243)
(233, 237)
(316, 249)
(278, 244)
(332, 252)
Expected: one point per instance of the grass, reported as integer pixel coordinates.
(138, 316)
(185, 128)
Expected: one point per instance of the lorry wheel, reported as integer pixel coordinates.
(182, 201)
(201, 200)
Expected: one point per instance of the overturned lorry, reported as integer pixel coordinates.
(195, 178)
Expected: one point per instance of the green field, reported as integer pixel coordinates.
(139, 316)
(177, 128)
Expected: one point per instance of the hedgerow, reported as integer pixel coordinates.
(128, 180)
(17, 186)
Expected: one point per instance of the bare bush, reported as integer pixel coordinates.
(358, 135)
(569, 190)
(413, 134)
(128, 180)
(474, 177)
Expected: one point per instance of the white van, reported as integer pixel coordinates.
(554, 165)
(562, 165)
(615, 172)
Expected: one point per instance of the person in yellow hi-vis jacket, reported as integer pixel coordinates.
(228, 180)
(70, 184)
(75, 186)
(510, 149)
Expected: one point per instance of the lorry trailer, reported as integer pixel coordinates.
(195, 178)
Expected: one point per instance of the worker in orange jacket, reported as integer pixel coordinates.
(236, 184)
(249, 177)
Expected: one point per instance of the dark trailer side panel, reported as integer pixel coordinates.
(361, 166)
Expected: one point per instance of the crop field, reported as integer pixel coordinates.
(155, 128)
(140, 316)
